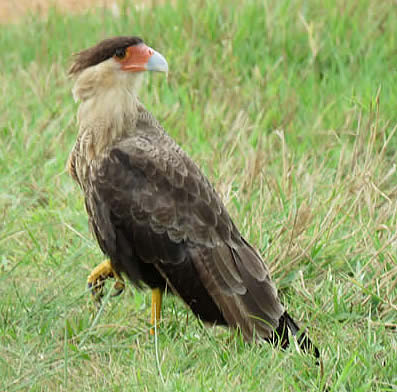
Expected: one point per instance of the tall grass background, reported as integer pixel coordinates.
(290, 109)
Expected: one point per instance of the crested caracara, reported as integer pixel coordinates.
(153, 212)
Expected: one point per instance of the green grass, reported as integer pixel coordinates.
(290, 108)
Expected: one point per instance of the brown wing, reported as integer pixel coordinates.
(147, 191)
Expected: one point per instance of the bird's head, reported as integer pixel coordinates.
(115, 62)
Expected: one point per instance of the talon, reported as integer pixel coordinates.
(96, 280)
(118, 287)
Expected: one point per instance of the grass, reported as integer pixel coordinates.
(290, 108)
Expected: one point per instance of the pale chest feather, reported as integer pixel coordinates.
(97, 138)
(78, 165)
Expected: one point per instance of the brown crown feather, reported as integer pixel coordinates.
(100, 52)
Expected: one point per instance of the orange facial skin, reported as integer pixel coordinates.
(136, 58)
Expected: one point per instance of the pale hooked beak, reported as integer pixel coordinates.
(157, 63)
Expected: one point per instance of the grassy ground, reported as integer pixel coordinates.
(290, 108)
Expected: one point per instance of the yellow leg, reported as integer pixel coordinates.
(156, 309)
(96, 280)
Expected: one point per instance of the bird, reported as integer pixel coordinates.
(155, 215)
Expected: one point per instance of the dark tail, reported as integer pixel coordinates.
(286, 328)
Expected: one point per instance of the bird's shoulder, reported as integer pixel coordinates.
(150, 148)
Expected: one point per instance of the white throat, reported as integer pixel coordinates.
(109, 104)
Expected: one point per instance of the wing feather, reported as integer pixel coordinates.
(173, 215)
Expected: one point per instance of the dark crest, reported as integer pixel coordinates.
(100, 52)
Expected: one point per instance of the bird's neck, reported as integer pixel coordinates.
(108, 109)
(105, 118)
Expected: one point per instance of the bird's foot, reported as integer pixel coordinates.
(96, 280)
(157, 295)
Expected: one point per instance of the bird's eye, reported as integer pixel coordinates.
(120, 53)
